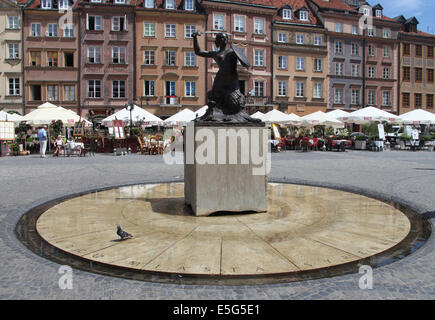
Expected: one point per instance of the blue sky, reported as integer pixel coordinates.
(423, 10)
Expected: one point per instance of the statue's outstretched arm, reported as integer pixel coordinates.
(205, 54)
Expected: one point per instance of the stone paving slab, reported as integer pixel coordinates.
(26, 182)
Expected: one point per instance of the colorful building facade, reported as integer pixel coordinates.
(11, 56)
(169, 76)
(300, 59)
(51, 55)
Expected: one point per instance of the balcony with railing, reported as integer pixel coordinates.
(170, 101)
(254, 101)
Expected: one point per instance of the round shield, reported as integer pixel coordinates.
(241, 56)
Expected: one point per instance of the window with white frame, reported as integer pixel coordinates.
(119, 23)
(239, 23)
(68, 31)
(282, 37)
(317, 64)
(170, 30)
(387, 51)
(189, 5)
(52, 93)
(317, 40)
(149, 29)
(14, 86)
(258, 26)
(218, 21)
(149, 3)
(94, 88)
(379, 13)
(13, 51)
(189, 30)
(338, 27)
(339, 47)
(355, 29)
(282, 62)
(170, 4)
(287, 14)
(118, 89)
(300, 63)
(119, 1)
(387, 73)
(386, 98)
(300, 89)
(300, 39)
(149, 86)
(69, 93)
(259, 88)
(63, 4)
(355, 49)
(259, 58)
(51, 30)
(318, 90)
(190, 59)
(371, 97)
(190, 89)
(372, 50)
(355, 96)
(339, 96)
(371, 32)
(339, 69)
(386, 33)
(13, 22)
(94, 55)
(149, 57)
(303, 15)
(118, 55)
(35, 29)
(372, 71)
(96, 1)
(355, 70)
(171, 58)
(282, 88)
(366, 11)
(93, 23)
(46, 4)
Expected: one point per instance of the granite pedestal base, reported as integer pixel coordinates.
(225, 167)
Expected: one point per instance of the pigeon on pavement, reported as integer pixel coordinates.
(124, 235)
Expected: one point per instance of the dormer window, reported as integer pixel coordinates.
(303, 15)
(287, 14)
(46, 4)
(189, 5)
(63, 4)
(96, 1)
(120, 1)
(379, 13)
(366, 12)
(170, 4)
(149, 3)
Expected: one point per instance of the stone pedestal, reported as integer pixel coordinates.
(225, 167)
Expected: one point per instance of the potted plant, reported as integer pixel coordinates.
(360, 142)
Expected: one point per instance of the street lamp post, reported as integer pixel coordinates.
(130, 108)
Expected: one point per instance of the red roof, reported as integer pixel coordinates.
(295, 5)
(418, 33)
(333, 4)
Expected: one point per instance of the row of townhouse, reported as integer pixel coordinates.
(96, 56)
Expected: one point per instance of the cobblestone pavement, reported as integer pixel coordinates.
(26, 182)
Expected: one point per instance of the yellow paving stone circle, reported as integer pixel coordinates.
(305, 228)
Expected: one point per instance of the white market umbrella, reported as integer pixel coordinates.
(337, 113)
(47, 113)
(4, 116)
(367, 115)
(319, 118)
(417, 116)
(258, 115)
(200, 112)
(180, 118)
(137, 114)
(276, 116)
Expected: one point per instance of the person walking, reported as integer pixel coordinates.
(42, 137)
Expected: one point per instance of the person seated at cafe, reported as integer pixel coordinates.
(58, 144)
